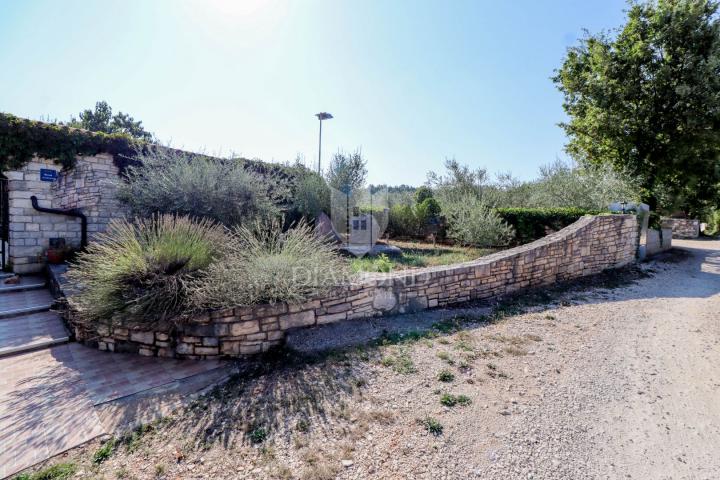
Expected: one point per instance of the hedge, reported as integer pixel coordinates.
(533, 223)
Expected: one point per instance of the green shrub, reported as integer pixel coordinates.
(226, 191)
(713, 223)
(139, 272)
(427, 211)
(533, 223)
(403, 221)
(104, 452)
(266, 265)
(422, 194)
(471, 222)
(431, 425)
(311, 195)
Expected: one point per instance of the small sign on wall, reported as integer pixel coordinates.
(48, 175)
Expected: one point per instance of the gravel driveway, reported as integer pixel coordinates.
(638, 389)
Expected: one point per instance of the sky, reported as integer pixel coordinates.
(411, 83)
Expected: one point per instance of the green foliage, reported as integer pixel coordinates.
(471, 222)
(347, 171)
(104, 452)
(258, 435)
(20, 139)
(647, 102)
(563, 185)
(60, 471)
(226, 191)
(263, 264)
(534, 223)
(431, 425)
(427, 210)
(139, 273)
(402, 221)
(446, 376)
(381, 263)
(311, 195)
(450, 400)
(713, 222)
(423, 193)
(102, 120)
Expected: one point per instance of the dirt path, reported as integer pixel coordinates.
(598, 383)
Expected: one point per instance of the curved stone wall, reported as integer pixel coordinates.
(588, 246)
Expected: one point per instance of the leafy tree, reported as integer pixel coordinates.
(102, 120)
(347, 171)
(646, 100)
(422, 193)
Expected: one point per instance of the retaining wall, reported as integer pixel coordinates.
(658, 241)
(684, 227)
(590, 245)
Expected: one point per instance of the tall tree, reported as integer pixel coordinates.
(646, 100)
(347, 171)
(101, 119)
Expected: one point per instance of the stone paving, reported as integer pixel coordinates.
(60, 396)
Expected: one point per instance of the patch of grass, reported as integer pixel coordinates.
(258, 435)
(418, 255)
(445, 356)
(450, 400)
(516, 351)
(60, 471)
(302, 425)
(159, 470)
(134, 440)
(401, 362)
(104, 452)
(431, 425)
(448, 325)
(122, 473)
(446, 376)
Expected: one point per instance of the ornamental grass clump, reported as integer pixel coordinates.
(138, 273)
(266, 265)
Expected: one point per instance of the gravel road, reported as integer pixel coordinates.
(637, 393)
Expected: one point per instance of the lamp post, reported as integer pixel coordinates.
(321, 116)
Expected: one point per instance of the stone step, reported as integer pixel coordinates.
(31, 332)
(13, 304)
(32, 282)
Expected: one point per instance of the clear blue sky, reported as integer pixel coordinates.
(411, 82)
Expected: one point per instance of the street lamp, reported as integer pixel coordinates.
(321, 116)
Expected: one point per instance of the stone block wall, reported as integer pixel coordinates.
(684, 227)
(89, 186)
(658, 241)
(587, 247)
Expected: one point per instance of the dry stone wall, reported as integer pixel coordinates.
(587, 247)
(90, 186)
(684, 227)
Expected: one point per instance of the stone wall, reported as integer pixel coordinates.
(89, 186)
(587, 247)
(684, 227)
(658, 241)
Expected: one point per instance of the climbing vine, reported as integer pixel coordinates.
(21, 139)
